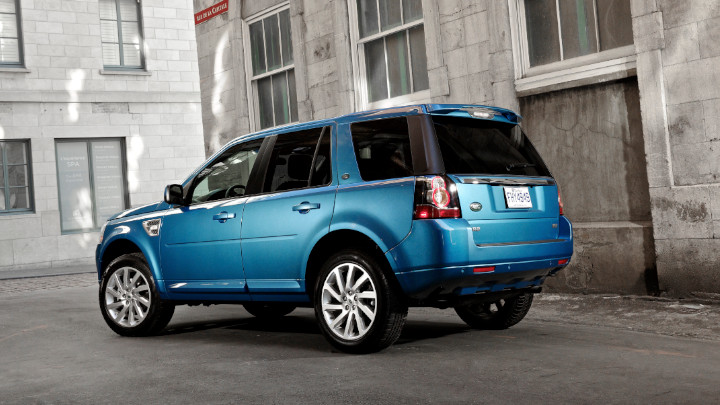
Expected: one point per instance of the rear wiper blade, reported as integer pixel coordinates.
(512, 166)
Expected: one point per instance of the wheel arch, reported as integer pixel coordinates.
(345, 239)
(119, 246)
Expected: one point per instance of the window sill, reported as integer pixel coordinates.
(8, 69)
(126, 72)
(421, 97)
(573, 73)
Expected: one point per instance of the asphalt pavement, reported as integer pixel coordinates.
(55, 348)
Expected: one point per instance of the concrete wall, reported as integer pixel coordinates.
(64, 94)
(678, 57)
(591, 138)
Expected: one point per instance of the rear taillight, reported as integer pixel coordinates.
(560, 203)
(435, 197)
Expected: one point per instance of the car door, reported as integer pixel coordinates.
(281, 224)
(200, 243)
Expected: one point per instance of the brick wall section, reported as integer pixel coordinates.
(678, 55)
(63, 94)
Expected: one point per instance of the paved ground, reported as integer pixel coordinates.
(55, 348)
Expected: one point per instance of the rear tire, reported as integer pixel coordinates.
(129, 300)
(357, 307)
(500, 314)
(264, 310)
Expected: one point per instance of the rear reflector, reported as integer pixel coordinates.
(489, 269)
(428, 212)
(563, 261)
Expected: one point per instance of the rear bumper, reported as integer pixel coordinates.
(439, 258)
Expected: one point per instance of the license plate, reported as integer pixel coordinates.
(517, 197)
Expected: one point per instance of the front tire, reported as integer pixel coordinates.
(500, 314)
(357, 307)
(129, 300)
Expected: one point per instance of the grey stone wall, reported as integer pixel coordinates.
(678, 55)
(592, 140)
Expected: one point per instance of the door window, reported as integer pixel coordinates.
(228, 175)
(300, 159)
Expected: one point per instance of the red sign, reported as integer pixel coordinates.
(212, 11)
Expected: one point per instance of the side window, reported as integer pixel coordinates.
(228, 175)
(299, 159)
(382, 148)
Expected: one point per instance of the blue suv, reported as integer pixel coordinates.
(360, 217)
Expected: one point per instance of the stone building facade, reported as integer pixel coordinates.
(620, 97)
(99, 110)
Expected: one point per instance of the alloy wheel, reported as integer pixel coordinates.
(349, 301)
(127, 297)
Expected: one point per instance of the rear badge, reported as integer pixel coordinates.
(476, 206)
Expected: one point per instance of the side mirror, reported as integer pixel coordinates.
(174, 194)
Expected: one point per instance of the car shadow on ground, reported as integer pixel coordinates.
(302, 325)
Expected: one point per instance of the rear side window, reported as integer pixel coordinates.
(473, 146)
(382, 148)
(299, 159)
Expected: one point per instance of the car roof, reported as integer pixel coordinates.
(499, 114)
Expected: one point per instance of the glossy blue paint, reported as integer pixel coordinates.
(257, 247)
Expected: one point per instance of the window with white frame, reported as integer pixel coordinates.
(10, 40)
(16, 191)
(570, 39)
(272, 68)
(392, 61)
(121, 33)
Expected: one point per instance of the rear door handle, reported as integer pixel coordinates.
(223, 216)
(305, 207)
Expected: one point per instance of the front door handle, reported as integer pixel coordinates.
(305, 207)
(223, 216)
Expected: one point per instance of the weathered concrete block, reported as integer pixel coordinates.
(708, 34)
(25, 251)
(686, 266)
(681, 45)
(456, 61)
(711, 110)
(697, 163)
(681, 213)
(680, 89)
(476, 28)
(609, 259)
(320, 49)
(683, 12)
(648, 32)
(452, 34)
(686, 123)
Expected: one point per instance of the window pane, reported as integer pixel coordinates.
(109, 31)
(74, 185)
(375, 68)
(293, 95)
(280, 99)
(412, 10)
(382, 148)
(615, 23)
(2, 146)
(9, 50)
(286, 34)
(2, 200)
(542, 31)
(389, 14)
(398, 64)
(8, 26)
(265, 104)
(419, 59)
(19, 198)
(17, 175)
(107, 172)
(258, 48)
(7, 6)
(272, 42)
(107, 10)
(16, 153)
(228, 175)
(131, 33)
(131, 53)
(111, 54)
(322, 171)
(577, 20)
(128, 10)
(291, 160)
(367, 17)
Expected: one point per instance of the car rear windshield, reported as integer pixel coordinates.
(475, 146)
